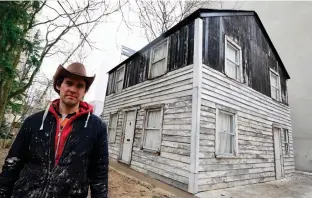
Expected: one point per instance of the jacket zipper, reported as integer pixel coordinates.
(49, 171)
(59, 139)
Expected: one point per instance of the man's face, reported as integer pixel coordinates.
(72, 90)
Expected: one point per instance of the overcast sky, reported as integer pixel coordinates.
(108, 37)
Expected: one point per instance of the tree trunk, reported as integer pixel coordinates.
(6, 88)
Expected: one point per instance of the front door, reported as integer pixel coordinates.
(279, 168)
(129, 126)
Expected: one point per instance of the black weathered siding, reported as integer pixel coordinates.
(181, 47)
(180, 54)
(137, 69)
(257, 55)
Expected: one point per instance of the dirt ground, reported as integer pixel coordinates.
(122, 186)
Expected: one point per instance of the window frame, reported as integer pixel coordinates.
(109, 127)
(235, 133)
(123, 67)
(151, 56)
(278, 83)
(287, 151)
(143, 139)
(228, 40)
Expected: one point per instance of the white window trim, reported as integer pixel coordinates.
(116, 78)
(287, 153)
(150, 108)
(229, 40)
(109, 126)
(235, 124)
(278, 83)
(150, 61)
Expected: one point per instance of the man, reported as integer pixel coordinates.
(62, 151)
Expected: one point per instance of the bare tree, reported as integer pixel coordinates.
(65, 21)
(157, 16)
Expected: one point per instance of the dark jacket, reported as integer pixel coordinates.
(30, 169)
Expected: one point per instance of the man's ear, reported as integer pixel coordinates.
(58, 87)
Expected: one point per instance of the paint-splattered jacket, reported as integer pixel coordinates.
(30, 169)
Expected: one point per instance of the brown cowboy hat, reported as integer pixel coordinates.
(73, 70)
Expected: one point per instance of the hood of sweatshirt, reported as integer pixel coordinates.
(84, 108)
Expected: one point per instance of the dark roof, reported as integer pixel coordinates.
(202, 13)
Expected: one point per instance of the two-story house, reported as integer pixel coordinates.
(204, 106)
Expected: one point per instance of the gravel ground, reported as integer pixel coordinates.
(122, 186)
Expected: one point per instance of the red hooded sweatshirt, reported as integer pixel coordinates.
(63, 131)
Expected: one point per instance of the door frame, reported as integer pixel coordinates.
(279, 128)
(121, 143)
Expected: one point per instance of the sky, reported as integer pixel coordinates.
(107, 37)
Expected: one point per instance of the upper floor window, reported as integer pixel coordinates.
(275, 85)
(120, 78)
(233, 56)
(158, 63)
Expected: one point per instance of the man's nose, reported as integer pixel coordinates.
(72, 89)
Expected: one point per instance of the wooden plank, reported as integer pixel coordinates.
(210, 73)
(151, 83)
(234, 183)
(241, 107)
(223, 173)
(176, 145)
(176, 132)
(176, 138)
(150, 156)
(172, 92)
(161, 172)
(176, 157)
(161, 166)
(215, 167)
(235, 161)
(235, 178)
(228, 91)
(175, 150)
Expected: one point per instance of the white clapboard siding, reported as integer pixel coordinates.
(256, 114)
(174, 91)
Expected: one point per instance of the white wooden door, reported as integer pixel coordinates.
(278, 153)
(129, 127)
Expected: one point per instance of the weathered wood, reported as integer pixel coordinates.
(176, 138)
(176, 157)
(175, 150)
(241, 97)
(220, 78)
(170, 168)
(150, 156)
(161, 172)
(235, 183)
(178, 145)
(235, 178)
(212, 174)
(161, 178)
(215, 167)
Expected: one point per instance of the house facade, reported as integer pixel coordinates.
(204, 106)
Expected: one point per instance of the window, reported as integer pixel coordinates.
(226, 143)
(275, 85)
(233, 66)
(286, 141)
(158, 64)
(152, 129)
(112, 128)
(119, 78)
